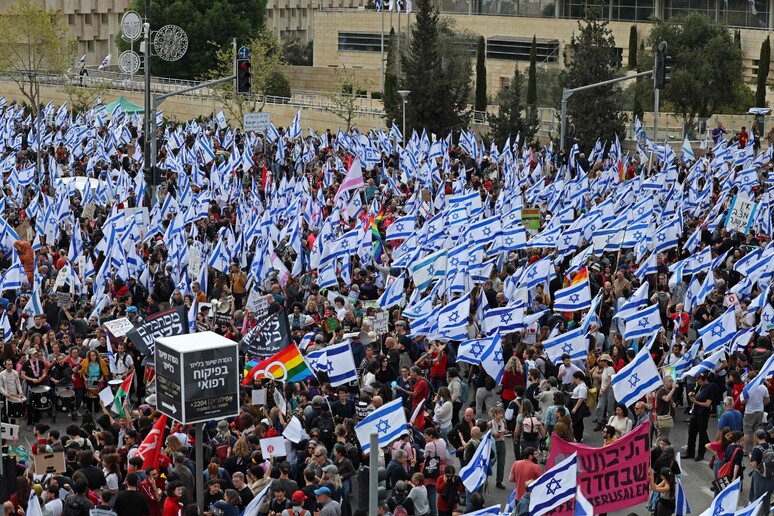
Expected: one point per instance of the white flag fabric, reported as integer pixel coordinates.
(720, 332)
(636, 301)
(751, 509)
(33, 505)
(573, 342)
(637, 378)
(492, 359)
(726, 501)
(394, 294)
(388, 421)
(255, 503)
(554, 487)
(335, 360)
(681, 502)
(582, 506)
(708, 364)
(475, 472)
(431, 267)
(643, 323)
(573, 298)
(294, 432)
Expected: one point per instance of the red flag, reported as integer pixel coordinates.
(150, 449)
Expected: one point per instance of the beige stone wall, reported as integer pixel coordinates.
(322, 78)
(296, 17)
(93, 23)
(329, 23)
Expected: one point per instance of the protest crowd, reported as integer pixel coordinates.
(463, 304)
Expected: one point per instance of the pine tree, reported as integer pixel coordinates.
(390, 99)
(481, 99)
(633, 47)
(509, 120)
(438, 79)
(597, 113)
(764, 63)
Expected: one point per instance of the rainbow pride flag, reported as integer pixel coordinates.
(286, 366)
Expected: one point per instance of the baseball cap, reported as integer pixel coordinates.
(330, 468)
(322, 491)
(298, 497)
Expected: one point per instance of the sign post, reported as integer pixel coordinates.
(197, 380)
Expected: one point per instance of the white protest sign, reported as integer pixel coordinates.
(294, 432)
(194, 262)
(741, 214)
(257, 303)
(381, 326)
(106, 395)
(273, 447)
(119, 327)
(259, 396)
(256, 122)
(9, 432)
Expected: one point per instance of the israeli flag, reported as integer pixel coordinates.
(105, 63)
(688, 154)
(492, 359)
(33, 307)
(489, 511)
(637, 378)
(726, 501)
(708, 364)
(766, 370)
(751, 509)
(388, 422)
(453, 319)
(337, 361)
(719, 332)
(294, 131)
(220, 119)
(554, 487)
(474, 474)
(255, 503)
(681, 501)
(429, 268)
(485, 231)
(394, 294)
(636, 301)
(573, 298)
(471, 351)
(573, 342)
(582, 506)
(506, 320)
(643, 323)
(685, 362)
(402, 228)
(666, 237)
(5, 325)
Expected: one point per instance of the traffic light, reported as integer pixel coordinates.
(662, 67)
(243, 76)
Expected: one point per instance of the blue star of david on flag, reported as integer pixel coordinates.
(399, 226)
(574, 298)
(553, 486)
(717, 331)
(634, 380)
(477, 349)
(661, 237)
(487, 231)
(506, 317)
(382, 426)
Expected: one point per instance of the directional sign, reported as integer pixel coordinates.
(197, 377)
(243, 53)
(256, 122)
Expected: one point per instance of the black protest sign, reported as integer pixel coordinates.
(268, 337)
(162, 324)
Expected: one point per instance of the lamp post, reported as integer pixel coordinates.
(403, 94)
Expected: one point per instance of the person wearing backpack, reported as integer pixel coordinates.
(297, 509)
(762, 465)
(77, 503)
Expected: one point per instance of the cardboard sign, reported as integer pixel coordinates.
(257, 304)
(25, 231)
(88, 211)
(259, 397)
(49, 462)
(273, 447)
(9, 432)
(194, 263)
(119, 327)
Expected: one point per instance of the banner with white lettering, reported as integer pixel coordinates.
(268, 337)
(162, 324)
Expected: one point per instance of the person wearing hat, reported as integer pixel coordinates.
(297, 508)
(202, 323)
(702, 399)
(605, 398)
(328, 506)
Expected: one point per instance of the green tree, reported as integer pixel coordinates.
(481, 99)
(35, 42)
(344, 102)
(436, 73)
(83, 97)
(764, 62)
(596, 113)
(509, 120)
(633, 47)
(707, 70)
(210, 24)
(550, 92)
(295, 52)
(390, 95)
(268, 76)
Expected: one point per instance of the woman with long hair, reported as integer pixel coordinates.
(111, 472)
(442, 412)
(512, 377)
(239, 458)
(21, 497)
(528, 430)
(718, 449)
(665, 487)
(95, 374)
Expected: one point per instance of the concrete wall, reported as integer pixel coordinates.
(323, 78)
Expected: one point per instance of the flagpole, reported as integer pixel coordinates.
(373, 475)
(381, 8)
(398, 40)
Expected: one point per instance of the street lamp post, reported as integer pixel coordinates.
(404, 94)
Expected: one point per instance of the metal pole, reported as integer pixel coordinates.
(147, 144)
(404, 118)
(656, 94)
(199, 466)
(373, 476)
(398, 41)
(382, 41)
(566, 93)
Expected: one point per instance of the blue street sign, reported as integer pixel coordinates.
(244, 53)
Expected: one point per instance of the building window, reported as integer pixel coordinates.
(104, 18)
(90, 46)
(71, 19)
(511, 48)
(362, 41)
(87, 19)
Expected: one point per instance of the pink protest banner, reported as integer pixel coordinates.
(613, 477)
